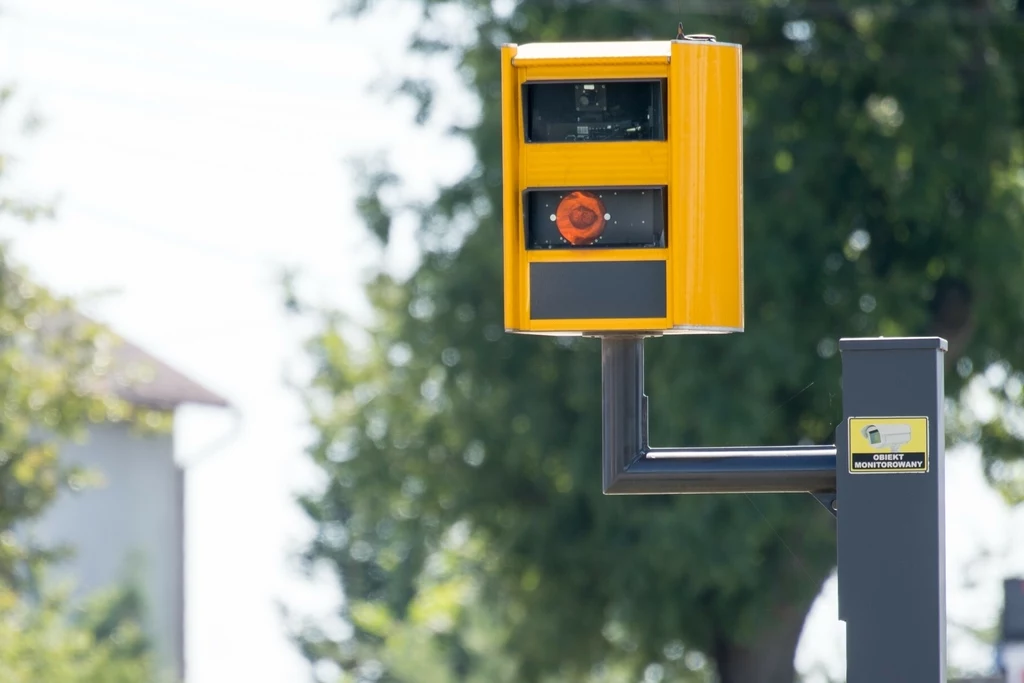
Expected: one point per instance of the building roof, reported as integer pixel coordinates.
(145, 380)
(135, 375)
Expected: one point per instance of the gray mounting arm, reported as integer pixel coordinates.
(631, 466)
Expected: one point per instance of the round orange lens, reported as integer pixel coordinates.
(580, 218)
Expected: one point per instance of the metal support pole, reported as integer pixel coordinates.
(631, 466)
(623, 409)
(890, 481)
(891, 526)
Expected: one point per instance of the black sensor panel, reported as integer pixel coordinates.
(613, 217)
(594, 111)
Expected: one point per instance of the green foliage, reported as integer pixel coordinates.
(883, 191)
(54, 383)
(53, 370)
(98, 644)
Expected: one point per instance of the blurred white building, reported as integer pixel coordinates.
(131, 526)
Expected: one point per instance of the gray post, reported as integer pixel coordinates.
(891, 521)
(623, 413)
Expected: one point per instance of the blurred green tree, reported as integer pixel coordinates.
(883, 195)
(52, 366)
(44, 640)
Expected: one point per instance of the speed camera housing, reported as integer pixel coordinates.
(622, 165)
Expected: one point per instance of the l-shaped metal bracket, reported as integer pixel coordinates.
(631, 466)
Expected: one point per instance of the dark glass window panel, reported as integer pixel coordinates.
(594, 111)
(589, 218)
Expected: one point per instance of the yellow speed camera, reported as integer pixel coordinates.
(623, 189)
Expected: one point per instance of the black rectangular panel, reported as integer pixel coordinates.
(597, 289)
(594, 111)
(1013, 611)
(595, 217)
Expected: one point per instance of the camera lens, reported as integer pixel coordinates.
(584, 101)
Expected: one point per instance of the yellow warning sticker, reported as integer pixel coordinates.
(888, 445)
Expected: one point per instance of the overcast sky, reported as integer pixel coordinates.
(197, 147)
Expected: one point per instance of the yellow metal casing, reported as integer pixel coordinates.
(691, 282)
